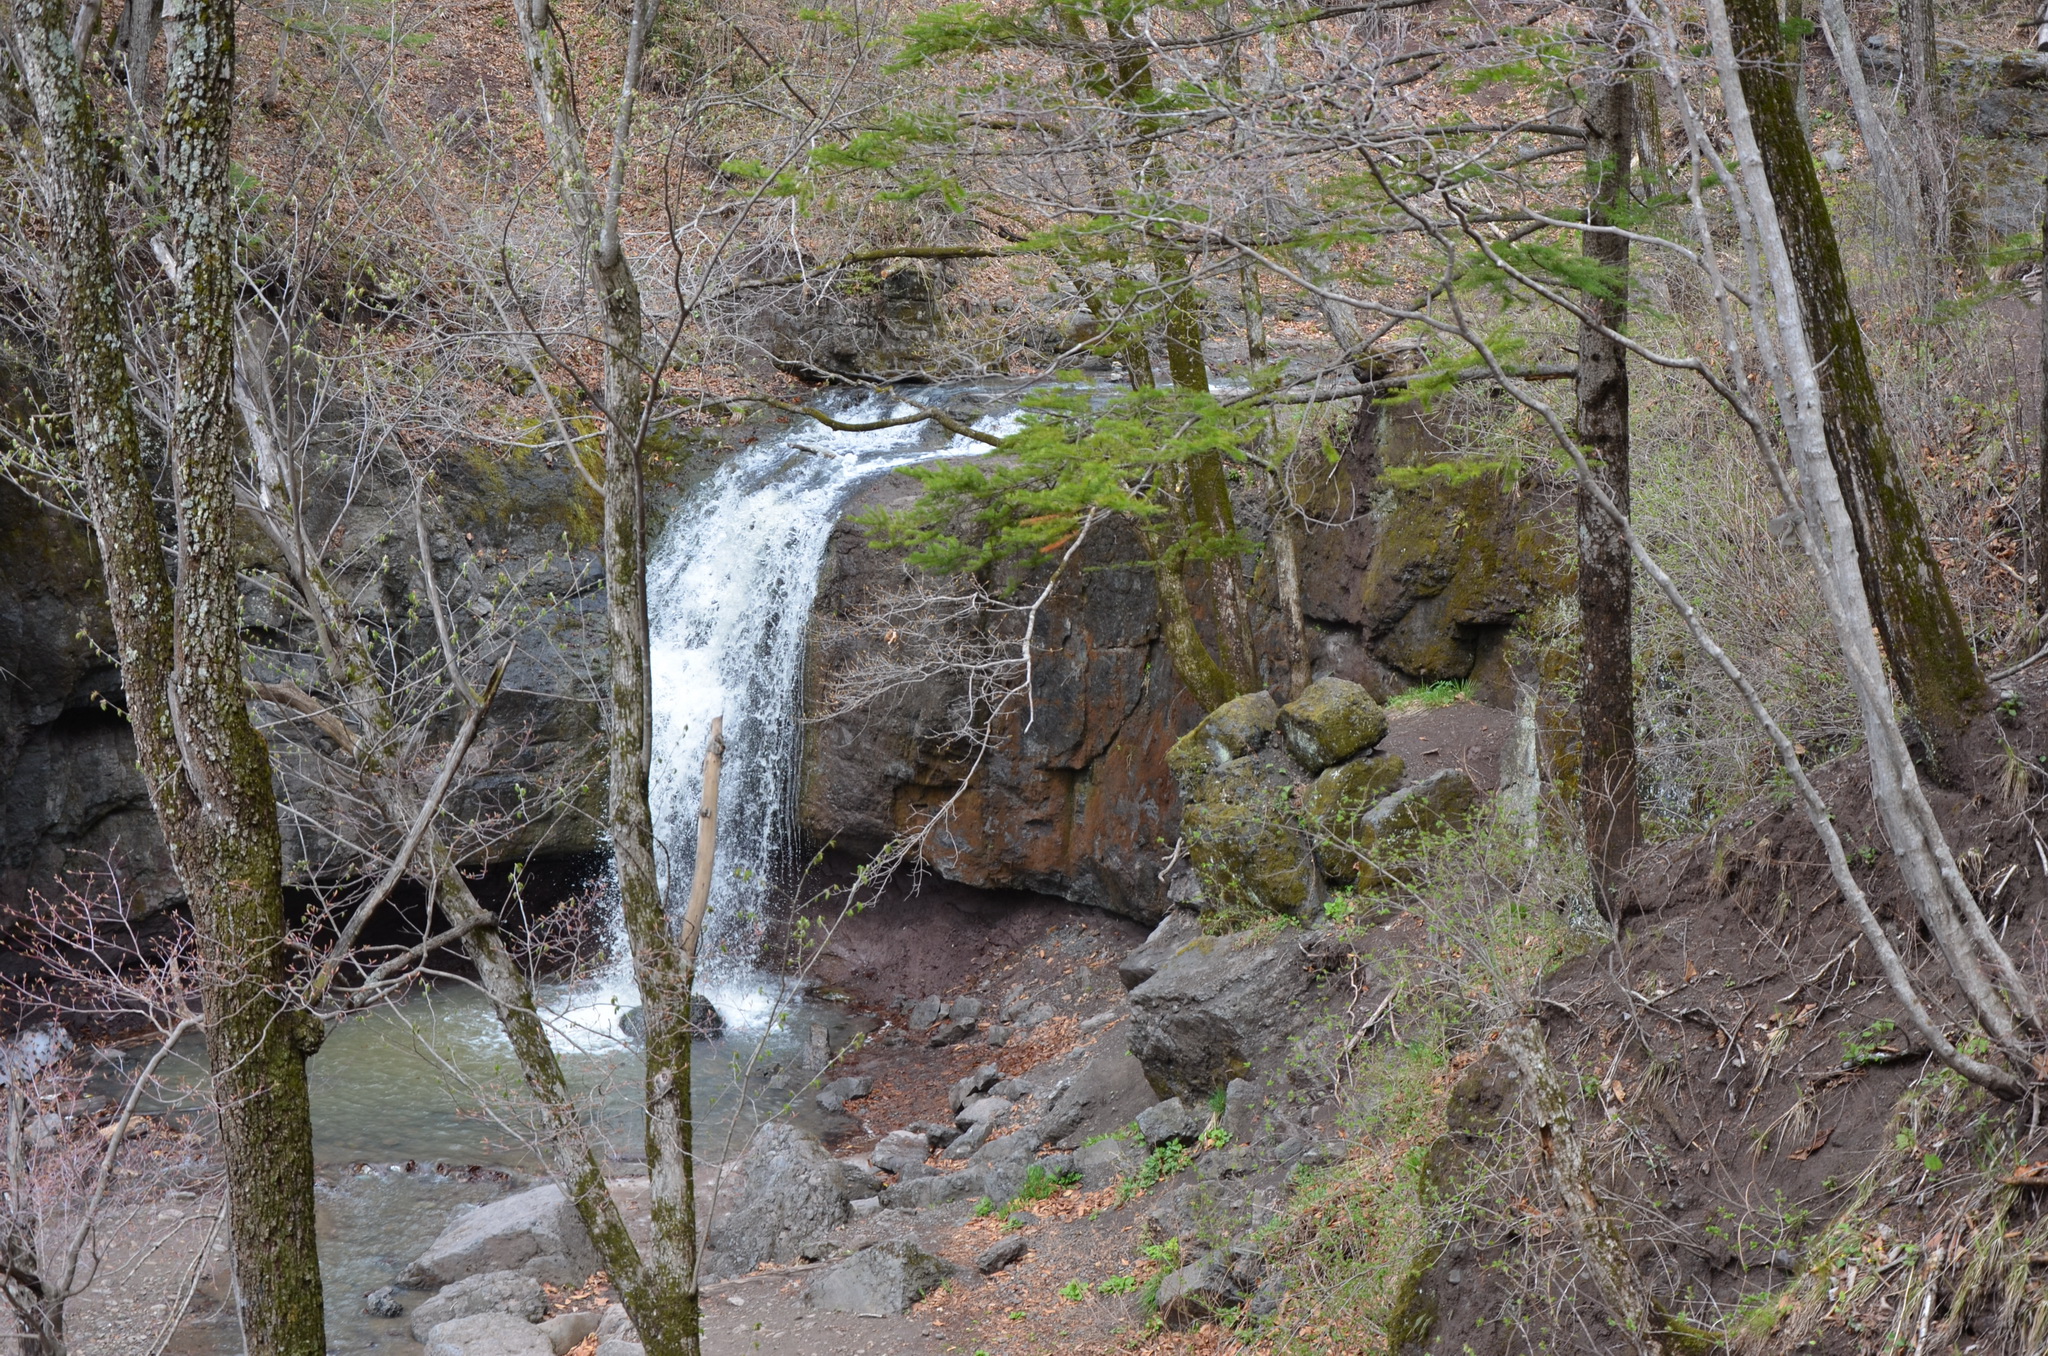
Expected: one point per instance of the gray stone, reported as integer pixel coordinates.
(499, 1292)
(615, 1324)
(1241, 1108)
(865, 1207)
(1005, 1253)
(491, 1334)
(938, 1134)
(835, 1095)
(962, 1020)
(937, 1189)
(1198, 1291)
(1105, 1094)
(884, 1280)
(1331, 720)
(1175, 931)
(1038, 1014)
(384, 1303)
(1440, 801)
(618, 1347)
(1103, 1162)
(1238, 728)
(973, 1086)
(976, 1136)
(1170, 1121)
(566, 1331)
(536, 1231)
(856, 1179)
(981, 1109)
(926, 1013)
(1014, 1089)
(899, 1149)
(998, 1035)
(789, 1193)
(1218, 1004)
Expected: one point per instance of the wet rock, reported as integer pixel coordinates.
(1175, 930)
(500, 1292)
(705, 1022)
(1248, 850)
(537, 1232)
(1008, 1252)
(835, 1095)
(1237, 729)
(490, 1334)
(900, 1149)
(384, 1303)
(1198, 1291)
(565, 1332)
(884, 1280)
(790, 1192)
(1332, 720)
(1216, 1006)
(973, 1086)
(1170, 1122)
(1073, 806)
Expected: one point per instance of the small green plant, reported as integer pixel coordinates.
(1118, 1285)
(984, 1207)
(1218, 1100)
(1167, 1254)
(1427, 697)
(1040, 1184)
(1075, 1291)
(1870, 1045)
(1215, 1137)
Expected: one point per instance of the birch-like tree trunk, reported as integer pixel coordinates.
(1931, 658)
(1606, 585)
(660, 1290)
(207, 769)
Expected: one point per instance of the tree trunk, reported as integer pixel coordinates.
(1607, 708)
(662, 1296)
(207, 769)
(1931, 659)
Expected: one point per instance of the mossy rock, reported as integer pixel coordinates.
(1245, 840)
(1441, 801)
(1239, 728)
(1330, 721)
(1413, 1312)
(1339, 798)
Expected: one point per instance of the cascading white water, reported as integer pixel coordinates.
(730, 587)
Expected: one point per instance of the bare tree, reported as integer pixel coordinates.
(208, 772)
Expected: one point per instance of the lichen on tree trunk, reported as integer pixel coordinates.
(1931, 659)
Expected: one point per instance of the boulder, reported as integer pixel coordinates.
(1175, 930)
(565, 1332)
(384, 1303)
(1245, 842)
(1237, 729)
(1198, 1291)
(1103, 1162)
(1170, 1122)
(926, 1013)
(705, 1023)
(900, 1149)
(881, 1281)
(619, 1347)
(969, 1143)
(1103, 1095)
(490, 1292)
(491, 1334)
(972, 1086)
(537, 1232)
(1216, 1006)
(962, 1019)
(1242, 1107)
(1008, 1252)
(835, 1095)
(1440, 801)
(981, 1109)
(790, 1192)
(1332, 720)
(936, 1189)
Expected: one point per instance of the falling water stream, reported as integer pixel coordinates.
(731, 583)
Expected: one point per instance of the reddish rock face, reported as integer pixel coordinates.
(1071, 798)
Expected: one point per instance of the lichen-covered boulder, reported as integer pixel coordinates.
(1339, 798)
(1217, 1005)
(1237, 729)
(1330, 721)
(1243, 834)
(1441, 801)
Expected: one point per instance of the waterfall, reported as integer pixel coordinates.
(730, 586)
